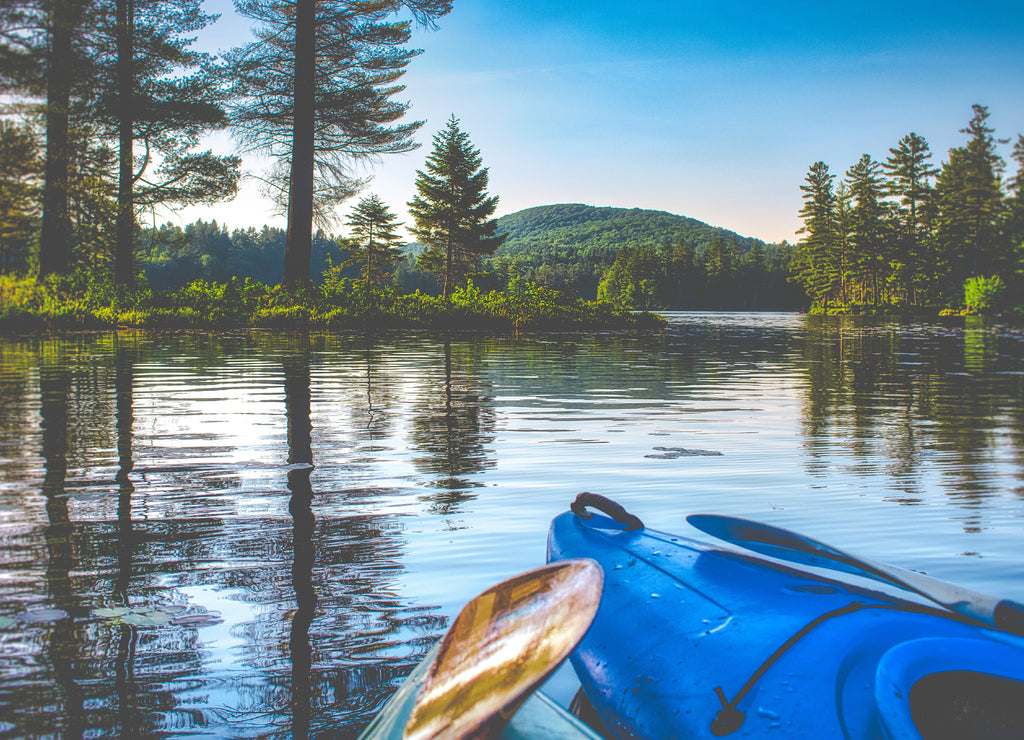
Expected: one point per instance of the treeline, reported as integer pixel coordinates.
(644, 277)
(171, 256)
(641, 258)
(903, 234)
(720, 277)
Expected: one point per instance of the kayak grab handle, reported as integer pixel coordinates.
(603, 504)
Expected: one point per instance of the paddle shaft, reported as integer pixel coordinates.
(1002, 614)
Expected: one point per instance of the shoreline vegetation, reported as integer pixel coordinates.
(78, 302)
(902, 235)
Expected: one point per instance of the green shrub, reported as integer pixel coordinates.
(282, 317)
(983, 294)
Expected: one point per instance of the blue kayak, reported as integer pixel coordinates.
(695, 640)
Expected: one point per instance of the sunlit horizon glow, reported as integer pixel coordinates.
(707, 111)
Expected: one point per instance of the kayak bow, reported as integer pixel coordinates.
(693, 640)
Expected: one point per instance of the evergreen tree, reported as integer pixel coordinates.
(909, 181)
(753, 268)
(152, 90)
(92, 201)
(682, 273)
(842, 224)
(1015, 220)
(616, 286)
(374, 230)
(114, 71)
(452, 210)
(720, 266)
(316, 92)
(632, 280)
(970, 205)
(817, 265)
(61, 21)
(20, 175)
(868, 235)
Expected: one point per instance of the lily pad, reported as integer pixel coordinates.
(208, 619)
(152, 618)
(112, 612)
(139, 616)
(37, 616)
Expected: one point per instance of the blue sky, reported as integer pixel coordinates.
(706, 109)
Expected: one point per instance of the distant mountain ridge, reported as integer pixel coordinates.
(584, 229)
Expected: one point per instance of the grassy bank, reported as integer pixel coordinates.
(79, 302)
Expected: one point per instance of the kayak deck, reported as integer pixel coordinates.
(697, 641)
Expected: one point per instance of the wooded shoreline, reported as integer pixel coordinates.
(78, 303)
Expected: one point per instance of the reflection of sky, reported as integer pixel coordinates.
(219, 641)
(230, 693)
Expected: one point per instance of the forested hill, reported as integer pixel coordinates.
(641, 258)
(592, 231)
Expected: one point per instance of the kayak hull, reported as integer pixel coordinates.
(696, 641)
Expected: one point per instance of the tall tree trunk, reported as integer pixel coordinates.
(298, 247)
(124, 251)
(448, 264)
(55, 230)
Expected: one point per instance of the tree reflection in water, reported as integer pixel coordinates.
(453, 427)
(300, 455)
(167, 527)
(906, 398)
(64, 634)
(124, 421)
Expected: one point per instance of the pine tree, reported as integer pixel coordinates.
(115, 71)
(1015, 220)
(20, 175)
(970, 204)
(868, 234)
(152, 90)
(315, 91)
(910, 173)
(842, 235)
(681, 272)
(374, 230)
(61, 20)
(720, 265)
(452, 210)
(817, 264)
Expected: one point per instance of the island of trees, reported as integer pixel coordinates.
(902, 234)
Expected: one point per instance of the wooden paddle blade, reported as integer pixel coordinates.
(502, 646)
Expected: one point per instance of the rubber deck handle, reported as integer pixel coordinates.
(603, 504)
(1009, 615)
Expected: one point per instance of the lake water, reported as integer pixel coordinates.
(258, 534)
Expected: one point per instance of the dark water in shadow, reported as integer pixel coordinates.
(258, 534)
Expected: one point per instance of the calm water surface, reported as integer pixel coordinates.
(259, 534)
